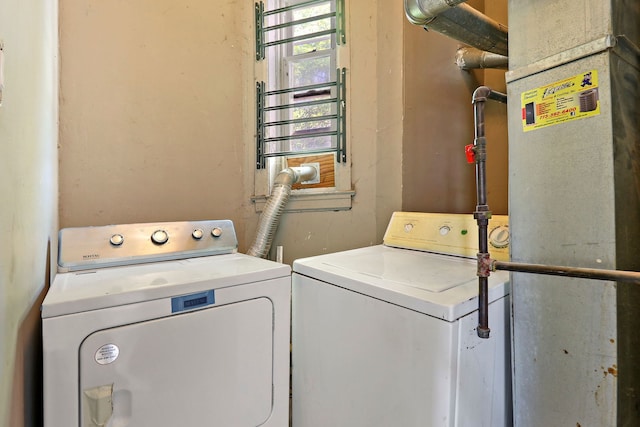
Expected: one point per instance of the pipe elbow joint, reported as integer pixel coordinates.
(294, 175)
(481, 94)
(285, 177)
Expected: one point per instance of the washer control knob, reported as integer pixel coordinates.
(116, 239)
(216, 232)
(444, 230)
(197, 233)
(159, 237)
(499, 236)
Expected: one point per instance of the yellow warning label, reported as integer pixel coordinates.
(565, 100)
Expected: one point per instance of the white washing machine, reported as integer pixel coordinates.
(165, 325)
(385, 336)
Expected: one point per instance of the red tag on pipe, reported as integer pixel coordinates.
(471, 155)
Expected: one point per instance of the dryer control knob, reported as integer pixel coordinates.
(197, 233)
(216, 232)
(116, 239)
(159, 237)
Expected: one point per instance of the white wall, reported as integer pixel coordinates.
(28, 194)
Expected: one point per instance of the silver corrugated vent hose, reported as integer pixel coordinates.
(277, 201)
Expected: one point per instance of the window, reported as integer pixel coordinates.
(301, 100)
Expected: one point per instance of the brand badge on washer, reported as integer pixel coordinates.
(106, 354)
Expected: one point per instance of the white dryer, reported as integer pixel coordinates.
(385, 336)
(165, 325)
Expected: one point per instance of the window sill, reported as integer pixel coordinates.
(312, 200)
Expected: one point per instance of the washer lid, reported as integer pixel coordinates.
(439, 285)
(77, 292)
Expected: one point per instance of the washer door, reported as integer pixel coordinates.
(207, 367)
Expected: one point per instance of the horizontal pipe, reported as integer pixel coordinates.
(469, 58)
(419, 12)
(462, 23)
(498, 96)
(555, 270)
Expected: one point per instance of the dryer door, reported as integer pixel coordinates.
(207, 367)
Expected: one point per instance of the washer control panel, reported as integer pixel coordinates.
(85, 248)
(452, 234)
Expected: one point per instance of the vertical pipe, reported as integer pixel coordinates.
(482, 212)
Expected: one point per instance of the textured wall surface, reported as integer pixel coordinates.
(28, 190)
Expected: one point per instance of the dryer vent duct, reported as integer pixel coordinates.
(270, 217)
(459, 21)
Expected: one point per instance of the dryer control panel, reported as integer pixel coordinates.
(451, 234)
(86, 248)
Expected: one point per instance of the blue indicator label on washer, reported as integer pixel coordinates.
(192, 301)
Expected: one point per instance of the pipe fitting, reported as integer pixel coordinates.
(482, 213)
(484, 264)
(481, 94)
(480, 149)
(483, 332)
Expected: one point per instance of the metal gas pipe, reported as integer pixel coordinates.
(477, 153)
